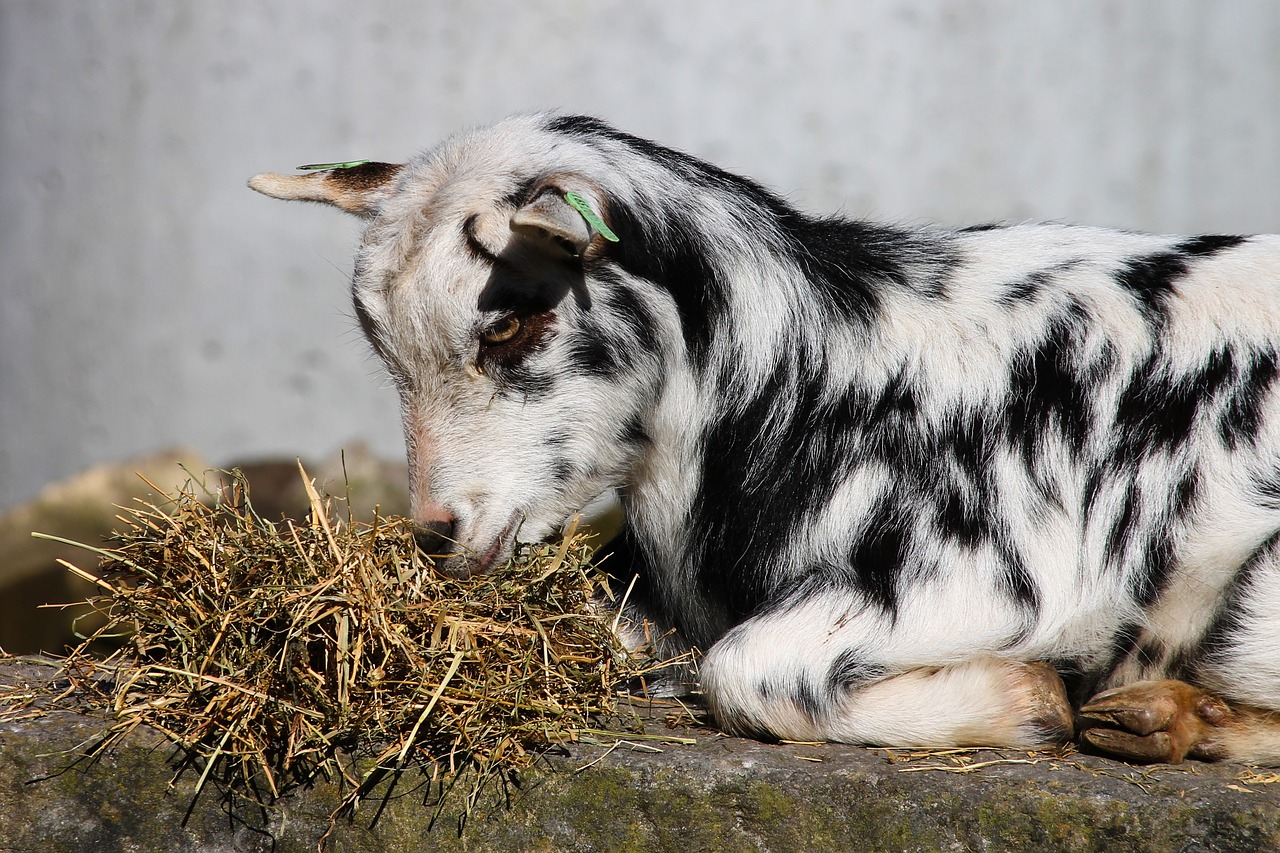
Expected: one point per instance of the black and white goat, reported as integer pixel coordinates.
(898, 485)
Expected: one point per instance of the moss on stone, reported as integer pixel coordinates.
(719, 794)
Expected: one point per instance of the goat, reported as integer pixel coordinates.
(900, 486)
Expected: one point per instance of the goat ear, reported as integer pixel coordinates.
(549, 219)
(357, 189)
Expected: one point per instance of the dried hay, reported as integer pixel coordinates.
(274, 651)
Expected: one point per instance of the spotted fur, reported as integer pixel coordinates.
(875, 474)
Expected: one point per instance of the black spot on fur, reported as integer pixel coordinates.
(880, 552)
(561, 469)
(1267, 488)
(578, 125)
(1150, 652)
(1123, 644)
(1122, 527)
(895, 407)
(521, 194)
(673, 259)
(1092, 488)
(1025, 289)
(1156, 568)
(1048, 392)
(1219, 370)
(759, 481)
(617, 332)
(1178, 664)
(973, 440)
(1158, 411)
(847, 262)
(808, 699)
(851, 670)
(960, 517)
(1156, 559)
(594, 352)
(524, 381)
(1216, 645)
(1210, 244)
(475, 248)
(1241, 420)
(1151, 278)
(954, 468)
(1185, 496)
(630, 309)
(634, 433)
(1018, 583)
(1217, 641)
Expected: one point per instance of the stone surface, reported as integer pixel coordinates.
(717, 794)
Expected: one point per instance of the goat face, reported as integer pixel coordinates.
(523, 393)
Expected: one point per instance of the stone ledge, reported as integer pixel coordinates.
(717, 794)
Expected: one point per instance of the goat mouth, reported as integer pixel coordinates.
(501, 546)
(465, 565)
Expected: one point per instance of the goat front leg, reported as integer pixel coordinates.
(789, 676)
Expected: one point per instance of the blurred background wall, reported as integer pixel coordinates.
(147, 299)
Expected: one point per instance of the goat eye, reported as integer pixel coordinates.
(503, 331)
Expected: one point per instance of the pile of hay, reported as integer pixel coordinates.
(275, 650)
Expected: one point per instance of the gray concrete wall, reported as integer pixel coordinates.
(148, 299)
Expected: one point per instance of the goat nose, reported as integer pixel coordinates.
(435, 538)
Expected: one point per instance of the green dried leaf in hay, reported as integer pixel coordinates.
(277, 646)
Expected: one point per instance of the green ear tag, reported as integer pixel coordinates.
(350, 164)
(580, 204)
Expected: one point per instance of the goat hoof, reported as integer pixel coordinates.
(1154, 721)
